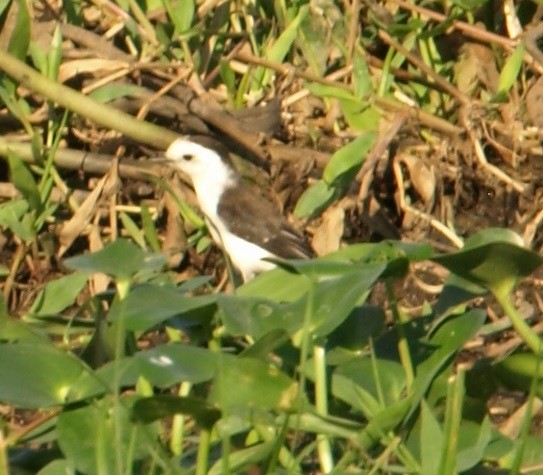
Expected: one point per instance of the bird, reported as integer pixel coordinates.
(241, 219)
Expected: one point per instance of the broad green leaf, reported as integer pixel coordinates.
(24, 181)
(36, 375)
(14, 330)
(20, 38)
(473, 443)
(314, 199)
(93, 435)
(58, 467)
(166, 365)
(349, 158)
(431, 440)
(492, 259)
(369, 386)
(447, 341)
(121, 259)
(517, 371)
(257, 384)
(511, 70)
(58, 294)
(149, 305)
(165, 405)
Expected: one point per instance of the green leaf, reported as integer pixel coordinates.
(447, 341)
(120, 259)
(149, 305)
(349, 157)
(473, 443)
(336, 92)
(360, 115)
(511, 70)
(110, 92)
(58, 467)
(492, 259)
(11, 217)
(20, 38)
(369, 385)
(257, 385)
(181, 14)
(58, 294)
(314, 199)
(92, 436)
(54, 58)
(431, 440)
(36, 375)
(165, 405)
(362, 77)
(24, 181)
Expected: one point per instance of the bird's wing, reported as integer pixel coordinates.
(256, 219)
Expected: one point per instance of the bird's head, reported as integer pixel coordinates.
(200, 158)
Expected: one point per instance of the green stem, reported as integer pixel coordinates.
(324, 449)
(123, 286)
(202, 458)
(403, 345)
(524, 330)
(84, 106)
(453, 416)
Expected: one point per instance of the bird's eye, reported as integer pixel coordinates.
(188, 157)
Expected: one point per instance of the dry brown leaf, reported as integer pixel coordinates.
(327, 237)
(98, 283)
(422, 177)
(73, 68)
(81, 218)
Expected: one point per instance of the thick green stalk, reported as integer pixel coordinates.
(84, 106)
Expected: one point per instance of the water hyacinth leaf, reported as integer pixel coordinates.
(149, 305)
(257, 317)
(258, 385)
(166, 365)
(121, 259)
(58, 294)
(165, 405)
(493, 259)
(36, 375)
(349, 157)
(315, 199)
